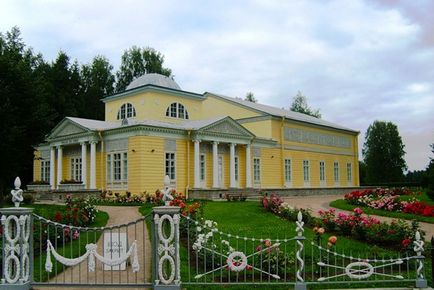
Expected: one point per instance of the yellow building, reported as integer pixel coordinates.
(206, 143)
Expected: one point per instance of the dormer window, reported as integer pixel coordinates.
(126, 111)
(177, 110)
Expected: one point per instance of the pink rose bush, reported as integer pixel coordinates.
(389, 200)
(368, 229)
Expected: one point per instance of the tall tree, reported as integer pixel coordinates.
(137, 61)
(250, 97)
(299, 104)
(428, 178)
(24, 113)
(97, 81)
(383, 153)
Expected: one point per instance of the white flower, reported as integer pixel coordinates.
(199, 229)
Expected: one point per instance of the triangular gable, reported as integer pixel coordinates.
(67, 127)
(226, 126)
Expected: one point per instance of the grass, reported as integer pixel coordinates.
(343, 204)
(248, 219)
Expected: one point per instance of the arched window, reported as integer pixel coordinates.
(126, 111)
(177, 110)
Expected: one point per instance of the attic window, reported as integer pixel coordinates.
(177, 110)
(126, 111)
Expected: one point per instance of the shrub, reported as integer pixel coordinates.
(430, 194)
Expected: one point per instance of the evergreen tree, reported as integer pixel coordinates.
(138, 61)
(250, 97)
(383, 153)
(299, 104)
(97, 81)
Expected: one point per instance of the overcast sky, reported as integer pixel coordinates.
(358, 61)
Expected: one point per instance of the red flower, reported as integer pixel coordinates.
(58, 217)
(405, 242)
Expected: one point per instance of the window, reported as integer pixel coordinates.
(256, 170)
(306, 176)
(45, 171)
(236, 168)
(76, 168)
(336, 171)
(349, 172)
(117, 169)
(322, 171)
(126, 111)
(202, 167)
(177, 110)
(287, 170)
(170, 165)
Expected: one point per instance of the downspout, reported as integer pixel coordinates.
(188, 164)
(101, 160)
(282, 152)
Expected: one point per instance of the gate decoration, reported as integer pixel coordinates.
(91, 254)
(166, 248)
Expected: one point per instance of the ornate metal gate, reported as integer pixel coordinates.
(37, 251)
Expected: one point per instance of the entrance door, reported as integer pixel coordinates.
(220, 180)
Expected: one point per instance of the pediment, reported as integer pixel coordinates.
(226, 126)
(66, 128)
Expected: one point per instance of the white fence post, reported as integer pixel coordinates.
(300, 284)
(166, 248)
(421, 282)
(17, 250)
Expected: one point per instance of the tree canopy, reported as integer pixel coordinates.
(383, 153)
(35, 95)
(299, 104)
(250, 97)
(138, 61)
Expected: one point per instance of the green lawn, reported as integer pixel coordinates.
(249, 219)
(343, 204)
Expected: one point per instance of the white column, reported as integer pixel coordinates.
(59, 164)
(248, 167)
(232, 165)
(84, 164)
(93, 165)
(52, 171)
(196, 164)
(215, 165)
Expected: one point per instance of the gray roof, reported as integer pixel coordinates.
(103, 125)
(284, 113)
(153, 79)
(94, 124)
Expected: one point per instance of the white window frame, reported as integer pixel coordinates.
(126, 111)
(257, 170)
(336, 172)
(322, 173)
(177, 110)
(306, 172)
(75, 172)
(172, 165)
(349, 173)
(288, 172)
(202, 169)
(45, 170)
(119, 179)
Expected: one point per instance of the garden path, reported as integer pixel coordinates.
(118, 215)
(322, 202)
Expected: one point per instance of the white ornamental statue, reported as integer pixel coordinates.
(167, 191)
(17, 193)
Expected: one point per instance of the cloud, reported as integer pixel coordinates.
(358, 61)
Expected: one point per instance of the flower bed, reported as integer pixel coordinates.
(78, 212)
(389, 200)
(397, 234)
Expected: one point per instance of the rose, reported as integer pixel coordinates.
(267, 243)
(358, 211)
(321, 231)
(332, 240)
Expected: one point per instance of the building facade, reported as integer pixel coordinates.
(202, 142)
